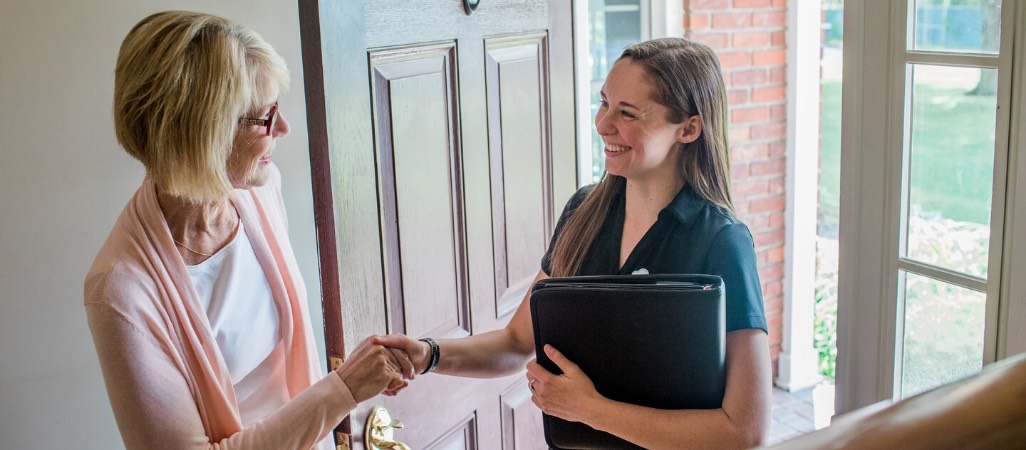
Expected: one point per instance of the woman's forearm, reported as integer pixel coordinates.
(492, 354)
(670, 429)
(155, 408)
(742, 421)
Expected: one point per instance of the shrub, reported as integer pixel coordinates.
(943, 333)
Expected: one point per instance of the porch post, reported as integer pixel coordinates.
(798, 362)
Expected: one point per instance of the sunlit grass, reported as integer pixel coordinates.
(952, 140)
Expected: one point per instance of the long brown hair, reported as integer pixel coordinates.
(687, 79)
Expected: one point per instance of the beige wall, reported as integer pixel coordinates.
(63, 180)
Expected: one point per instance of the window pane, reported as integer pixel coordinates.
(952, 166)
(613, 25)
(943, 336)
(958, 26)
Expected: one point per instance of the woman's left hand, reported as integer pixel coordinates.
(569, 396)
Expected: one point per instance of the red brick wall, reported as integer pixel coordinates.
(748, 36)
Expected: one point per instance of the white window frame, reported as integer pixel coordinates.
(659, 18)
(873, 133)
(1011, 338)
(582, 88)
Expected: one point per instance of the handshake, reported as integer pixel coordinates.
(384, 364)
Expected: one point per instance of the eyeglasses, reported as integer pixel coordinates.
(268, 123)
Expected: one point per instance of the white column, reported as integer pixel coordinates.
(666, 18)
(798, 361)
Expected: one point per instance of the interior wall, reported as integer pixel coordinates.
(64, 180)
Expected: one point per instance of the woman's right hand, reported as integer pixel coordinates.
(418, 351)
(370, 369)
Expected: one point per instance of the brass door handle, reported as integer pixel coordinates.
(378, 433)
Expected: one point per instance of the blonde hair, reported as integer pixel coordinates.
(181, 83)
(687, 79)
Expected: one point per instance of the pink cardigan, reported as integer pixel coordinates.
(166, 379)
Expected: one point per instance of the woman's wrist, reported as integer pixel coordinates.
(595, 412)
(433, 355)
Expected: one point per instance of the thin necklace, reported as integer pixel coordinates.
(207, 255)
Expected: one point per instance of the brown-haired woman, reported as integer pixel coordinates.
(663, 206)
(195, 301)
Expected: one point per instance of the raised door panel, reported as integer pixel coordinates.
(522, 427)
(519, 150)
(462, 437)
(416, 129)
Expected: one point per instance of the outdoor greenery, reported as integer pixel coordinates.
(829, 157)
(825, 320)
(952, 142)
(943, 332)
(952, 139)
(833, 23)
(952, 152)
(951, 244)
(944, 324)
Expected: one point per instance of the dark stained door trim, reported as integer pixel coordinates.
(320, 174)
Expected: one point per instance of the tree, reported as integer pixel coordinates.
(990, 28)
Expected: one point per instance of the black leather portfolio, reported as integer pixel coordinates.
(650, 340)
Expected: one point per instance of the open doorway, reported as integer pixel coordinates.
(755, 46)
(828, 190)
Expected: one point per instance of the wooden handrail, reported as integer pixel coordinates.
(985, 411)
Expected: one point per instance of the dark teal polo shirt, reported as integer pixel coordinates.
(691, 236)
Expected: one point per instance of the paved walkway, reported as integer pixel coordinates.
(796, 413)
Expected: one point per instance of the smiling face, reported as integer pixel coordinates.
(252, 147)
(640, 143)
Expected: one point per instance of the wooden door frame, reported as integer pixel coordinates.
(320, 175)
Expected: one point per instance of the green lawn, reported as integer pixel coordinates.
(952, 158)
(953, 153)
(830, 157)
(951, 166)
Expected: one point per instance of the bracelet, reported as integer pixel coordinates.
(434, 355)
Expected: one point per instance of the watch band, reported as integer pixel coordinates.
(434, 355)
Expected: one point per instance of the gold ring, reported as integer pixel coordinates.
(531, 385)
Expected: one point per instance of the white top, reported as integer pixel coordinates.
(234, 292)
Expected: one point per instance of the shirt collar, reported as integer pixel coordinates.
(685, 206)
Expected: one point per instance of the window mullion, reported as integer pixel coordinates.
(941, 274)
(953, 59)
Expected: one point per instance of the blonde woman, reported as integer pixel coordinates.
(663, 206)
(195, 303)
